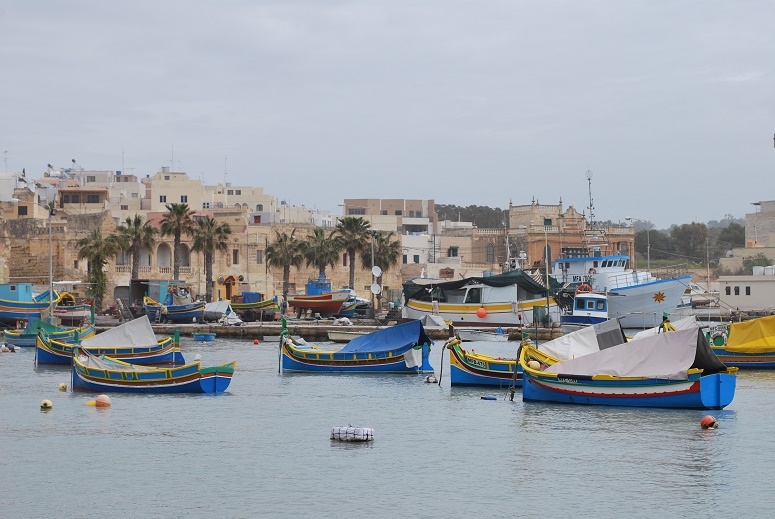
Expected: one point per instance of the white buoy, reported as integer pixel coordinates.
(102, 401)
(46, 405)
(430, 379)
(352, 434)
(533, 364)
(63, 387)
(197, 358)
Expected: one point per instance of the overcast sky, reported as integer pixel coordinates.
(668, 103)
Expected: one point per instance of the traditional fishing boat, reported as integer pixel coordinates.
(470, 368)
(251, 307)
(106, 374)
(473, 334)
(71, 310)
(18, 302)
(748, 344)
(133, 341)
(28, 336)
(669, 370)
(328, 304)
(179, 310)
(509, 299)
(403, 348)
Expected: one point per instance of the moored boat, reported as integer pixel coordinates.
(203, 336)
(669, 370)
(403, 348)
(474, 335)
(29, 335)
(18, 302)
(185, 312)
(747, 344)
(343, 336)
(105, 374)
(588, 308)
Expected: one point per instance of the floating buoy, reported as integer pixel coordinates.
(91, 402)
(63, 387)
(533, 364)
(708, 422)
(481, 312)
(4, 349)
(352, 434)
(430, 379)
(255, 341)
(197, 358)
(102, 401)
(46, 404)
(489, 397)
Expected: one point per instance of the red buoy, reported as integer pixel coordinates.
(708, 422)
(255, 341)
(481, 312)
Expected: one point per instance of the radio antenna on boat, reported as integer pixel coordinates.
(591, 205)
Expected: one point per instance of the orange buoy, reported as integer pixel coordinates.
(102, 401)
(708, 422)
(255, 341)
(481, 312)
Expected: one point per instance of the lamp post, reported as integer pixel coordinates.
(51, 212)
(648, 240)
(546, 268)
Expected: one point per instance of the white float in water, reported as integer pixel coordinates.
(352, 434)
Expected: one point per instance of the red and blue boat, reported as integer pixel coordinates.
(403, 348)
(670, 370)
(105, 374)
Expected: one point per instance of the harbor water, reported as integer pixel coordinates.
(263, 448)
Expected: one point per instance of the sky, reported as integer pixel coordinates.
(669, 104)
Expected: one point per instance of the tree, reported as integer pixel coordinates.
(730, 237)
(285, 252)
(689, 240)
(321, 250)
(133, 235)
(387, 254)
(353, 232)
(176, 222)
(97, 251)
(209, 237)
(760, 260)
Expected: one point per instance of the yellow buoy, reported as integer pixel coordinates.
(46, 404)
(63, 387)
(103, 401)
(533, 364)
(91, 402)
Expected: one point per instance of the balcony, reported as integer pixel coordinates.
(123, 269)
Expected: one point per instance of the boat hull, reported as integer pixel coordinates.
(480, 370)
(30, 339)
(709, 392)
(203, 337)
(764, 360)
(495, 314)
(329, 303)
(165, 352)
(479, 335)
(312, 361)
(179, 313)
(642, 306)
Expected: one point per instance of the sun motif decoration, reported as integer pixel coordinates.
(659, 297)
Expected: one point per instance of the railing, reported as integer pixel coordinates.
(123, 269)
(144, 269)
(185, 271)
(165, 270)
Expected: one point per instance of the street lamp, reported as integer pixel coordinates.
(648, 240)
(51, 212)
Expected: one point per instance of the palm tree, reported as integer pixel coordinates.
(321, 250)
(176, 222)
(285, 252)
(133, 235)
(387, 254)
(210, 236)
(353, 232)
(97, 251)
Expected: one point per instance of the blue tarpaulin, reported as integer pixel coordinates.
(400, 337)
(251, 297)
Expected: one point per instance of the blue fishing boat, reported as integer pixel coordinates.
(133, 341)
(203, 336)
(19, 302)
(191, 312)
(105, 374)
(29, 335)
(403, 348)
(669, 370)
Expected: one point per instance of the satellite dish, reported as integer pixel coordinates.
(376, 271)
(375, 288)
(241, 277)
(220, 280)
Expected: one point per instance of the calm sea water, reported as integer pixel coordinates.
(263, 449)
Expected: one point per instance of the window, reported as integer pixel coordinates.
(260, 207)
(356, 210)
(383, 212)
(238, 192)
(235, 256)
(135, 195)
(579, 304)
(728, 291)
(92, 199)
(183, 199)
(125, 208)
(748, 291)
(452, 252)
(163, 199)
(417, 258)
(490, 253)
(230, 192)
(205, 205)
(601, 305)
(166, 177)
(21, 210)
(737, 291)
(399, 212)
(65, 199)
(259, 257)
(91, 178)
(76, 199)
(411, 214)
(75, 264)
(344, 259)
(404, 259)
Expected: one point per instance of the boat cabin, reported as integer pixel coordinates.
(318, 286)
(22, 292)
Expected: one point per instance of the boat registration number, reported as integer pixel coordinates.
(477, 363)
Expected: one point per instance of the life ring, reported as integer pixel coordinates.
(593, 270)
(718, 333)
(584, 288)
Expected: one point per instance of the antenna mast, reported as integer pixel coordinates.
(591, 204)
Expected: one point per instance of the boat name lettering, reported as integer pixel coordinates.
(476, 362)
(571, 380)
(577, 279)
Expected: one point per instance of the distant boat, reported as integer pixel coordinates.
(29, 335)
(748, 344)
(328, 304)
(587, 308)
(343, 336)
(403, 348)
(669, 370)
(92, 373)
(470, 334)
(18, 302)
(203, 336)
(186, 312)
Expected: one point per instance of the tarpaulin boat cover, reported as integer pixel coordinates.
(251, 297)
(754, 336)
(396, 338)
(665, 356)
(137, 332)
(514, 277)
(434, 322)
(589, 339)
(37, 324)
(216, 310)
(682, 324)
